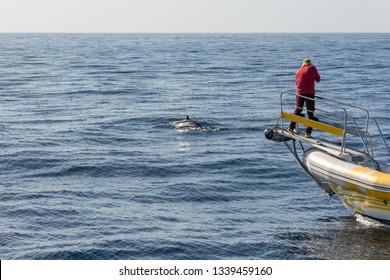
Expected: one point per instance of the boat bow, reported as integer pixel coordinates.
(344, 158)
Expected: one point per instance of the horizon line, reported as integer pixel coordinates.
(192, 32)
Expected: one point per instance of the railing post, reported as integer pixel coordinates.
(343, 145)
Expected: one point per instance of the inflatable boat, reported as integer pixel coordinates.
(348, 156)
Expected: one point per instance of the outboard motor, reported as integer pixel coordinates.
(271, 134)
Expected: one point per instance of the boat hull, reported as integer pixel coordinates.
(361, 189)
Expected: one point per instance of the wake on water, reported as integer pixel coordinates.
(198, 129)
(369, 222)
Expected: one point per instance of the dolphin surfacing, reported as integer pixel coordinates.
(187, 123)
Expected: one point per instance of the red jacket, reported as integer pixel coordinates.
(305, 78)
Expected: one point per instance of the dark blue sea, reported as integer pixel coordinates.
(89, 168)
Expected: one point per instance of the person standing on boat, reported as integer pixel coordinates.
(306, 77)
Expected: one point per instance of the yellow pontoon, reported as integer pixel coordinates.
(349, 157)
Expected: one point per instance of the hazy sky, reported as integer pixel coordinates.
(194, 15)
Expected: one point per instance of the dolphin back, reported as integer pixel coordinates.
(187, 123)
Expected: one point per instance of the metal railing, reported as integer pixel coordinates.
(353, 120)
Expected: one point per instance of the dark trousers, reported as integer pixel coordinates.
(310, 107)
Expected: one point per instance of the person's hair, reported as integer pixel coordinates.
(306, 62)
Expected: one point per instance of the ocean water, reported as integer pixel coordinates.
(89, 168)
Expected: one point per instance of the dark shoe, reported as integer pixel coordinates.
(292, 130)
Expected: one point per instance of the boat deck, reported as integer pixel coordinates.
(327, 146)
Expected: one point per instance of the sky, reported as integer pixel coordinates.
(201, 16)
